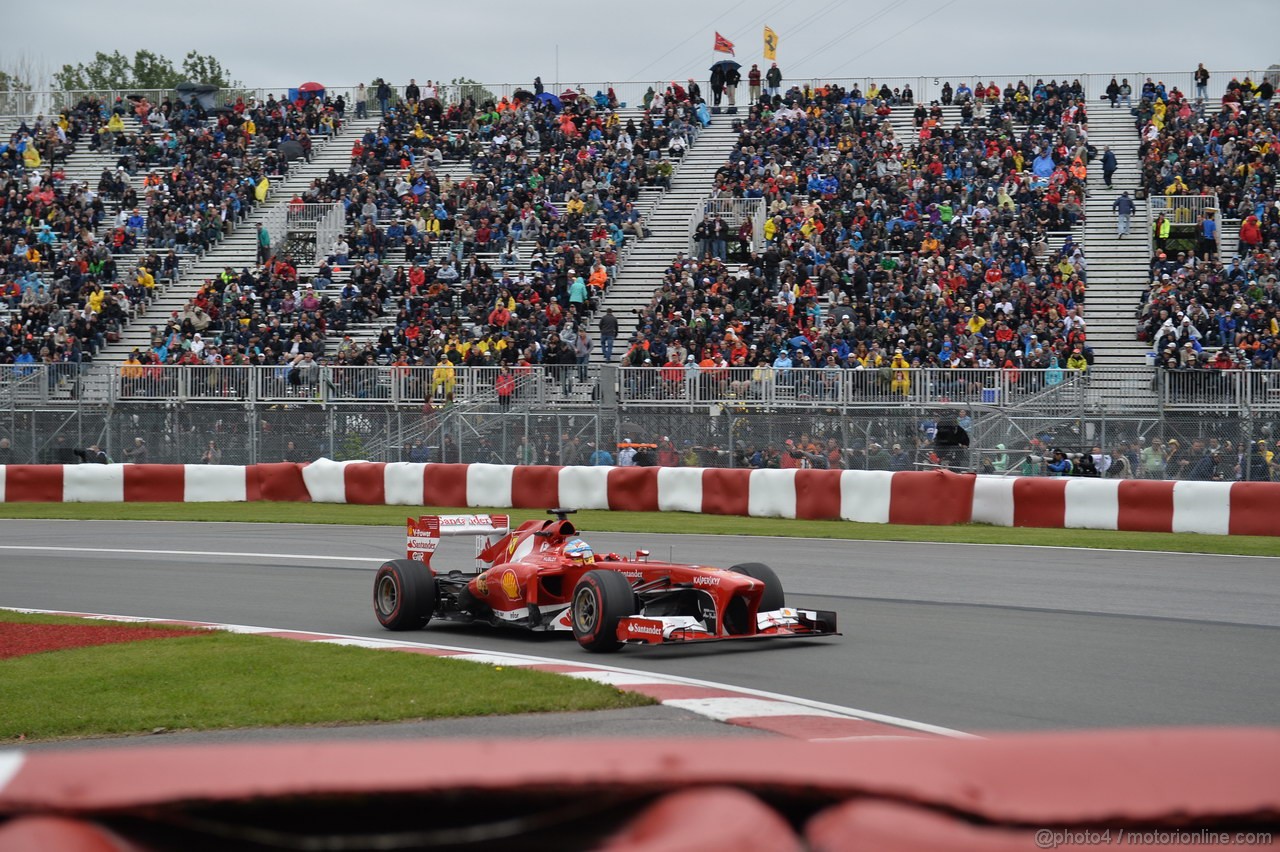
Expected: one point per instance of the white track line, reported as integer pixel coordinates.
(140, 551)
(798, 706)
(720, 535)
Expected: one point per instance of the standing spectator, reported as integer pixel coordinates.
(6, 452)
(753, 83)
(384, 95)
(717, 86)
(582, 346)
(1250, 235)
(627, 455)
(731, 80)
(212, 455)
(1207, 236)
(504, 385)
(526, 452)
(362, 101)
(1153, 460)
(720, 238)
(1118, 468)
(264, 245)
(570, 450)
(773, 77)
(412, 94)
(538, 88)
(138, 452)
(1266, 91)
(1160, 231)
(1124, 207)
(1202, 81)
(608, 333)
(578, 297)
(599, 457)
(93, 455)
(1109, 164)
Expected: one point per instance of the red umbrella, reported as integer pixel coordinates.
(568, 95)
(311, 87)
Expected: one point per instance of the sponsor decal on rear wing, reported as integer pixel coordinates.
(423, 534)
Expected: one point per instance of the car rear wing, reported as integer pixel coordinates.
(424, 533)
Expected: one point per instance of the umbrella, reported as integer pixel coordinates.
(222, 110)
(291, 150)
(548, 98)
(523, 95)
(569, 95)
(725, 64)
(311, 87)
(136, 97)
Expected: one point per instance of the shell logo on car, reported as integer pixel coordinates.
(511, 584)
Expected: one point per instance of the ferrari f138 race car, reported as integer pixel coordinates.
(543, 576)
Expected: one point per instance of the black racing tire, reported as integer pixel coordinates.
(773, 597)
(601, 600)
(404, 595)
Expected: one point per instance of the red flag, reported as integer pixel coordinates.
(723, 45)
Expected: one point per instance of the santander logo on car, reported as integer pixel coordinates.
(644, 629)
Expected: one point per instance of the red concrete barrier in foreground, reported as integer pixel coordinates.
(893, 795)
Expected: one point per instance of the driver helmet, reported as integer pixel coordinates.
(578, 552)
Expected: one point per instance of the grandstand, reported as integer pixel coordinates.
(968, 228)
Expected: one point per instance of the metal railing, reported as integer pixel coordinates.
(837, 388)
(734, 211)
(1052, 392)
(1181, 210)
(308, 382)
(925, 88)
(326, 221)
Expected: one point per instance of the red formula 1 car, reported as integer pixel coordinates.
(543, 576)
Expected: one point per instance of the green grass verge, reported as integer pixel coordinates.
(656, 522)
(225, 680)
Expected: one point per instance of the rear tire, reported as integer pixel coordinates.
(773, 597)
(404, 595)
(601, 600)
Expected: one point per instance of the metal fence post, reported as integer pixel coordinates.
(255, 424)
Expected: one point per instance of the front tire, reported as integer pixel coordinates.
(773, 597)
(404, 595)
(600, 601)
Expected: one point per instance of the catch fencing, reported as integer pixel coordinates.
(245, 415)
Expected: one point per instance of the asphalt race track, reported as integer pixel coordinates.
(965, 636)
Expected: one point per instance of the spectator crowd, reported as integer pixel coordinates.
(947, 249)
(1212, 306)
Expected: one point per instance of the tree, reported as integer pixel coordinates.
(10, 94)
(146, 70)
(20, 76)
(202, 68)
(468, 87)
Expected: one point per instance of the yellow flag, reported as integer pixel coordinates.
(260, 191)
(770, 44)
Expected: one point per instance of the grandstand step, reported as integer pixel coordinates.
(668, 225)
(237, 250)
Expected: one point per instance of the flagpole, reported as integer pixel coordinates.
(557, 84)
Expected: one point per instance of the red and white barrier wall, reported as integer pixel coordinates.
(908, 497)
